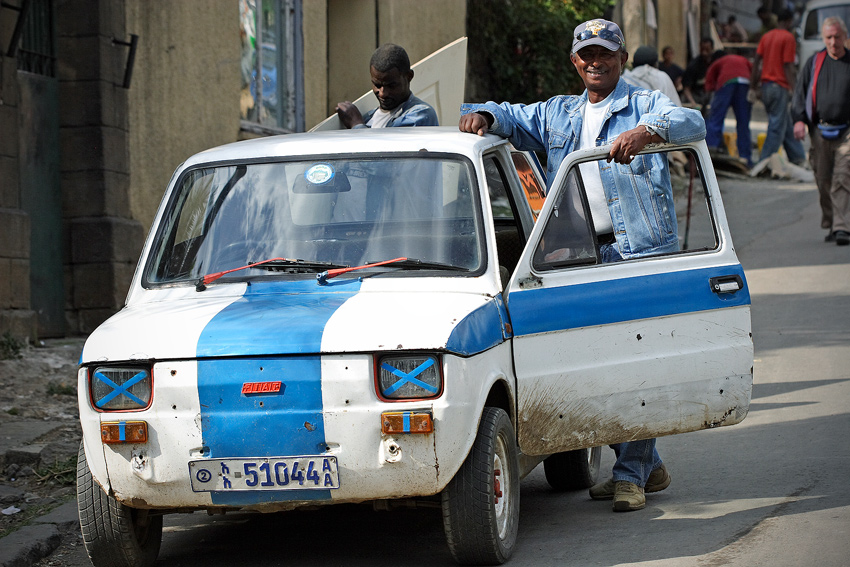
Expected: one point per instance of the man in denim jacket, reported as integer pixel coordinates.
(634, 191)
(391, 74)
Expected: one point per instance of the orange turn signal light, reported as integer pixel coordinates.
(124, 432)
(406, 422)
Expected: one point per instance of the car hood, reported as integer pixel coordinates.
(283, 319)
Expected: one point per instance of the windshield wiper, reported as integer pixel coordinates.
(409, 263)
(283, 264)
(270, 264)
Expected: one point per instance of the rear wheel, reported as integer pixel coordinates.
(481, 503)
(573, 470)
(115, 535)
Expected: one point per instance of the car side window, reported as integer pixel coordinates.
(510, 237)
(671, 216)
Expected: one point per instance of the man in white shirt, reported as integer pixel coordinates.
(645, 73)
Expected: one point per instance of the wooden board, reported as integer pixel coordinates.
(439, 80)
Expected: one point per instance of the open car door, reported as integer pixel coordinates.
(640, 348)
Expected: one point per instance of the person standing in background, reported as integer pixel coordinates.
(775, 75)
(729, 79)
(822, 106)
(645, 73)
(693, 81)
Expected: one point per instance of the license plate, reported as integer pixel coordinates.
(264, 473)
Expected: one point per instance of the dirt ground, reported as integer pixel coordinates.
(39, 429)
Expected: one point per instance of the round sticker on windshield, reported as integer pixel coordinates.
(319, 173)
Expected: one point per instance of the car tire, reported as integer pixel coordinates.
(481, 503)
(114, 535)
(573, 470)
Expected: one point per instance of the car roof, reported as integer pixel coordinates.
(445, 139)
(813, 4)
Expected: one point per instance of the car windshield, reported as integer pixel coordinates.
(814, 21)
(343, 212)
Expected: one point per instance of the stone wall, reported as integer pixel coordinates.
(16, 317)
(103, 240)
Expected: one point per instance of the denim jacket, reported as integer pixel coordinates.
(640, 196)
(412, 112)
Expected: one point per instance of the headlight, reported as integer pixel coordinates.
(409, 377)
(120, 388)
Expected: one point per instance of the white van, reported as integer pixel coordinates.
(817, 11)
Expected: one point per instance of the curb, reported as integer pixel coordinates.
(36, 541)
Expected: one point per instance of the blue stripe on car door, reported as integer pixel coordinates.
(599, 303)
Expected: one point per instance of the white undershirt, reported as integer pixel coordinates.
(593, 116)
(380, 118)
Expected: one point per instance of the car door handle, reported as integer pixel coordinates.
(726, 284)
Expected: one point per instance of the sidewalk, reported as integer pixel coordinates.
(39, 439)
(36, 541)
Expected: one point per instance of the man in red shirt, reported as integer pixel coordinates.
(729, 78)
(774, 71)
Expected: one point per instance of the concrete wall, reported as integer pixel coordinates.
(184, 97)
(315, 30)
(670, 19)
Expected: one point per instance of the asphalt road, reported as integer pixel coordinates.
(770, 491)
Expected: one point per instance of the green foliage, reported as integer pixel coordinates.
(10, 347)
(519, 50)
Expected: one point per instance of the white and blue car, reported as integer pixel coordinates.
(396, 314)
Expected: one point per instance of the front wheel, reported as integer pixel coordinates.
(573, 470)
(481, 503)
(115, 535)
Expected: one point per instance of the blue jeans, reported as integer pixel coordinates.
(734, 95)
(635, 461)
(780, 130)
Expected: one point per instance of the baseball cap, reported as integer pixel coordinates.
(598, 32)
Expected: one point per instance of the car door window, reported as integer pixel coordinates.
(569, 235)
(534, 190)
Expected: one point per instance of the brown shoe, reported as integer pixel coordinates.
(658, 480)
(628, 496)
(603, 490)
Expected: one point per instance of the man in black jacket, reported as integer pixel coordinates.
(820, 105)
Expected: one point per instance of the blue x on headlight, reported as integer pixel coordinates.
(120, 388)
(409, 377)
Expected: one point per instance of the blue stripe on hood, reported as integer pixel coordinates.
(280, 318)
(275, 318)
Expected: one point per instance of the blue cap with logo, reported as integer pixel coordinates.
(598, 32)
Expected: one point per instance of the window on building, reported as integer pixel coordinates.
(37, 50)
(272, 65)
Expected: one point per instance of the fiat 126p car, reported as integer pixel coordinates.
(398, 315)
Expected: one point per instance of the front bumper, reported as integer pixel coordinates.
(190, 420)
